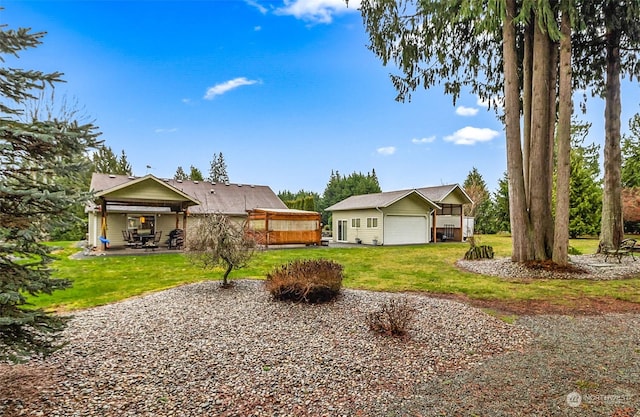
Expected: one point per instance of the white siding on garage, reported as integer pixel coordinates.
(402, 230)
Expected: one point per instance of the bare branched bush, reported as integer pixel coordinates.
(219, 241)
(311, 281)
(392, 317)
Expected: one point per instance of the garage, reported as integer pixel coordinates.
(403, 230)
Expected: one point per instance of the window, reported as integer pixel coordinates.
(355, 222)
(449, 210)
(372, 222)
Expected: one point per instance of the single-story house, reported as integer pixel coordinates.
(401, 217)
(149, 204)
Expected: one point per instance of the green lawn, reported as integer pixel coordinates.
(427, 268)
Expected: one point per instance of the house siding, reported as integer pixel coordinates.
(409, 206)
(445, 222)
(366, 234)
(117, 222)
(146, 190)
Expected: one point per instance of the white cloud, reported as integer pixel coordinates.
(317, 11)
(254, 3)
(422, 141)
(386, 150)
(466, 111)
(226, 86)
(172, 130)
(471, 135)
(257, 28)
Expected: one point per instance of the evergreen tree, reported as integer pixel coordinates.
(302, 200)
(485, 218)
(585, 191)
(39, 159)
(475, 186)
(341, 187)
(124, 167)
(218, 170)
(501, 206)
(180, 174)
(309, 203)
(286, 195)
(631, 154)
(107, 162)
(195, 174)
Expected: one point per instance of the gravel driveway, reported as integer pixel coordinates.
(198, 350)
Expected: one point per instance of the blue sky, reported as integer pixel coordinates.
(285, 89)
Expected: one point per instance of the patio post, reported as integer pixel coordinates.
(434, 235)
(103, 229)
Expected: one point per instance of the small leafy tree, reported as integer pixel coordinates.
(219, 241)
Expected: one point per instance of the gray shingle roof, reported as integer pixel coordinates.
(231, 199)
(434, 195)
(440, 192)
(366, 201)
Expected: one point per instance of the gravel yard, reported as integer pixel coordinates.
(199, 350)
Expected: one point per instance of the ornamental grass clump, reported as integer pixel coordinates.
(392, 317)
(309, 281)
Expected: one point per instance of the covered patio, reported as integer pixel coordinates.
(129, 209)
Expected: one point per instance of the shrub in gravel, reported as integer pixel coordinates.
(392, 317)
(310, 281)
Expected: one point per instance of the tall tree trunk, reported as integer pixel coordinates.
(520, 226)
(612, 231)
(540, 202)
(554, 58)
(561, 229)
(527, 71)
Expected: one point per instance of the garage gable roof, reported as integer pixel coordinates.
(441, 192)
(127, 189)
(203, 196)
(377, 200)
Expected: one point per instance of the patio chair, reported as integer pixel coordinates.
(128, 239)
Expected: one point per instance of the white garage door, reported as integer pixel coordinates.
(402, 230)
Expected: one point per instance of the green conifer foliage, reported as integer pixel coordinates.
(38, 161)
